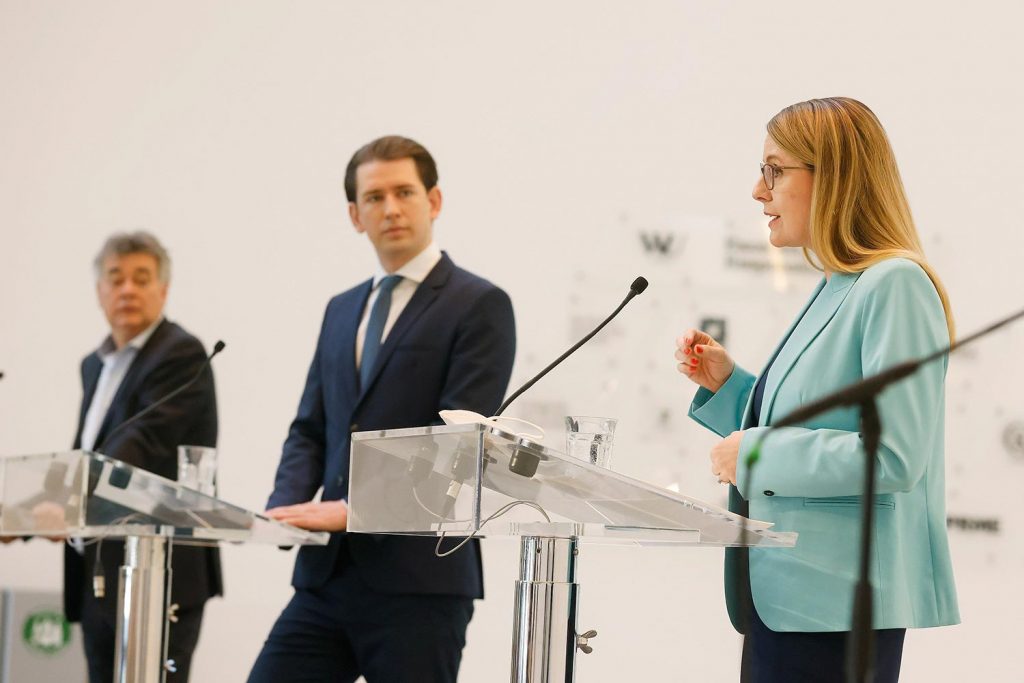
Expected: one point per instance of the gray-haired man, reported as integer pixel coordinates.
(144, 358)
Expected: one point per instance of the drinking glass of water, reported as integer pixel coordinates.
(590, 438)
(197, 468)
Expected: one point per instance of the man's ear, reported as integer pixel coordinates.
(435, 199)
(353, 214)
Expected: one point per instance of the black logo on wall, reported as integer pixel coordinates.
(755, 255)
(659, 243)
(715, 327)
(987, 525)
(1013, 439)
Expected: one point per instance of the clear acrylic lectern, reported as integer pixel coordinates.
(476, 479)
(90, 496)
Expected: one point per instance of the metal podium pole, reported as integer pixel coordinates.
(544, 639)
(141, 645)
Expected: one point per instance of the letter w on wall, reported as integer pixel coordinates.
(657, 243)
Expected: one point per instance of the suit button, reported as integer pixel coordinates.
(769, 493)
(353, 428)
(341, 479)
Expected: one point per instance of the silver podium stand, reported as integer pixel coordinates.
(475, 479)
(91, 496)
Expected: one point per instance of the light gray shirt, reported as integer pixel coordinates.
(115, 366)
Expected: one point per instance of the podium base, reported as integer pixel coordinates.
(141, 640)
(545, 640)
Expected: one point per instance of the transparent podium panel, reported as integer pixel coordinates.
(85, 494)
(460, 479)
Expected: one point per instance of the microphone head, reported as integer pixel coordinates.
(639, 285)
(219, 346)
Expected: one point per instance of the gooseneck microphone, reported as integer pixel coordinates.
(858, 392)
(217, 348)
(860, 646)
(638, 286)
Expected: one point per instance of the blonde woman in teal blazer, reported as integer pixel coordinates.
(830, 186)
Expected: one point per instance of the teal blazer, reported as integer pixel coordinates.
(809, 478)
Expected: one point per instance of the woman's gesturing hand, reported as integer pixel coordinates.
(703, 360)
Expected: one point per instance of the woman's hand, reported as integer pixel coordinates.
(724, 456)
(703, 360)
(328, 515)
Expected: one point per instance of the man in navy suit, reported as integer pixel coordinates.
(144, 359)
(421, 336)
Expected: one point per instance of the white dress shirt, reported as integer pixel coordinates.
(115, 366)
(413, 273)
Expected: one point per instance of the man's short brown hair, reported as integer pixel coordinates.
(391, 148)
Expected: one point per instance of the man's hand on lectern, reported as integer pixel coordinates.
(328, 515)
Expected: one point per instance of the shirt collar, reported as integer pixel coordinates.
(417, 268)
(108, 348)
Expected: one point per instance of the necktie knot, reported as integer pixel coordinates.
(375, 327)
(388, 283)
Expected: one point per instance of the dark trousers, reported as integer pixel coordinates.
(345, 630)
(99, 627)
(797, 657)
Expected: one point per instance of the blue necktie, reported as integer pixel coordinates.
(375, 327)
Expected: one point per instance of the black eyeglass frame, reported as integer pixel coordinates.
(773, 169)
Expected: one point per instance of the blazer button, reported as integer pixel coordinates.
(341, 479)
(769, 493)
(353, 428)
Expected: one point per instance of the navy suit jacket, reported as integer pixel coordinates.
(170, 357)
(452, 347)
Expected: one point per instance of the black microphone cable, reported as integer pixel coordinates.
(217, 348)
(638, 287)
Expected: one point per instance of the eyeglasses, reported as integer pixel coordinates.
(771, 171)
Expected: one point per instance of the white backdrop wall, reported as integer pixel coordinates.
(564, 133)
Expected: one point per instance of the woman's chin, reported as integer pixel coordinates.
(780, 240)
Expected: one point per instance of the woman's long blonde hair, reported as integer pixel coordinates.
(859, 209)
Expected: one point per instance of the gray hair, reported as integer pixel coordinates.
(138, 242)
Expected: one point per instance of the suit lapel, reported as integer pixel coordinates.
(817, 312)
(91, 369)
(127, 387)
(348, 329)
(424, 296)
